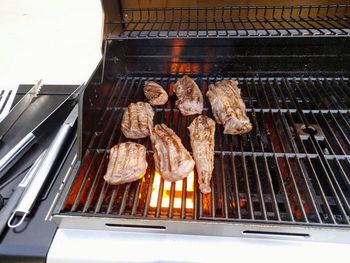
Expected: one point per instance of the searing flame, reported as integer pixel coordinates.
(167, 191)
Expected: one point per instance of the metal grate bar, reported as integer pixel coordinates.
(100, 168)
(82, 186)
(299, 23)
(309, 191)
(255, 166)
(223, 178)
(286, 197)
(255, 123)
(138, 187)
(237, 21)
(297, 205)
(326, 165)
(149, 191)
(233, 25)
(318, 187)
(338, 145)
(312, 195)
(276, 173)
(236, 191)
(262, 26)
(266, 98)
(105, 132)
(115, 189)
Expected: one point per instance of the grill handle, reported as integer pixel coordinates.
(270, 234)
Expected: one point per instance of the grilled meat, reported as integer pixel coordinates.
(155, 93)
(137, 120)
(172, 160)
(202, 131)
(190, 98)
(127, 163)
(228, 107)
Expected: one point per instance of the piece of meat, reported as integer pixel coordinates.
(172, 161)
(228, 107)
(202, 130)
(155, 94)
(127, 163)
(190, 98)
(137, 120)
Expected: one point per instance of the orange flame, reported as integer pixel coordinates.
(178, 192)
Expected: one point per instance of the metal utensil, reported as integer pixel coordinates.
(24, 145)
(7, 95)
(6, 211)
(32, 191)
(19, 108)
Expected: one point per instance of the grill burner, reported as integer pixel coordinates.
(272, 175)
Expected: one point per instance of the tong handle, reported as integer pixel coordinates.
(6, 211)
(16, 152)
(42, 172)
(9, 223)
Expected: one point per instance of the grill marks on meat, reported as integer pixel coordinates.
(155, 94)
(202, 131)
(190, 98)
(137, 120)
(172, 160)
(127, 163)
(228, 107)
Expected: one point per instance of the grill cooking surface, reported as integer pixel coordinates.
(292, 168)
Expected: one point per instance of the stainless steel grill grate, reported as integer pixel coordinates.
(233, 21)
(293, 168)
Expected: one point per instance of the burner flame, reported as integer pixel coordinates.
(167, 192)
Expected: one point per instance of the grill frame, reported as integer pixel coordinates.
(148, 59)
(232, 229)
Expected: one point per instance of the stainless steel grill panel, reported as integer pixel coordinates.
(278, 173)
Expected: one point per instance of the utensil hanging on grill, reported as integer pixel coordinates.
(29, 140)
(42, 171)
(19, 108)
(7, 210)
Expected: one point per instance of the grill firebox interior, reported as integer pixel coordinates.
(278, 173)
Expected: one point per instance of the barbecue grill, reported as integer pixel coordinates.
(288, 177)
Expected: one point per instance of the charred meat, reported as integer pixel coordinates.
(228, 107)
(202, 131)
(137, 120)
(172, 161)
(190, 98)
(155, 94)
(127, 163)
